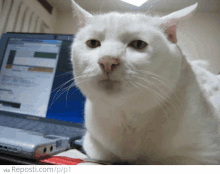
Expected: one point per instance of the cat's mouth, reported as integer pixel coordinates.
(109, 85)
(109, 81)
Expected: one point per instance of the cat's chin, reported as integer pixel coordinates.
(110, 86)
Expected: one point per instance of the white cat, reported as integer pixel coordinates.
(146, 103)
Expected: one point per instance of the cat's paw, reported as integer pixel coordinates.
(96, 151)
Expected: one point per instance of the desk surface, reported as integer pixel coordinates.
(6, 159)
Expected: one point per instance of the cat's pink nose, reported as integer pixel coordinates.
(108, 63)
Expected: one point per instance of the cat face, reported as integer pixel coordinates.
(122, 55)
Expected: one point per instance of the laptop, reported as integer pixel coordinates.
(37, 92)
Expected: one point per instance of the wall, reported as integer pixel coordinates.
(199, 36)
(25, 16)
(65, 23)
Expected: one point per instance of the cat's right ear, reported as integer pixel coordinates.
(169, 22)
(82, 14)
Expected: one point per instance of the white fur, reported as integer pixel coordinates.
(173, 119)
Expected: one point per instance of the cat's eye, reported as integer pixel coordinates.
(93, 43)
(138, 44)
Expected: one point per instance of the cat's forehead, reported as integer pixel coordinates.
(127, 21)
(116, 17)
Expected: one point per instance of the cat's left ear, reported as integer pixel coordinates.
(82, 14)
(169, 22)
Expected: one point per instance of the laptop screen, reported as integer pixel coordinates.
(36, 79)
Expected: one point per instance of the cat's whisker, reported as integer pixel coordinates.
(60, 87)
(157, 94)
(148, 81)
(63, 89)
(143, 79)
(67, 82)
(148, 72)
(148, 9)
(153, 74)
(66, 73)
(156, 100)
(79, 83)
(127, 66)
(148, 94)
(167, 87)
(131, 67)
(161, 78)
(76, 89)
(66, 90)
(59, 95)
(85, 75)
(135, 86)
(91, 73)
(151, 89)
(128, 92)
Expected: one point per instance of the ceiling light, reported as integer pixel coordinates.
(137, 3)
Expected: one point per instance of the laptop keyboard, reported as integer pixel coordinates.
(41, 127)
